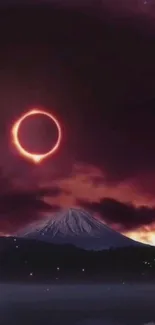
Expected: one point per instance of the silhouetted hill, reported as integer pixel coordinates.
(31, 260)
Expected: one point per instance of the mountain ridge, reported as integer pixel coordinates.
(79, 228)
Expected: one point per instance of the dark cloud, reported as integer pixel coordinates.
(21, 207)
(51, 191)
(126, 216)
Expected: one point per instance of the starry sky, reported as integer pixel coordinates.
(93, 67)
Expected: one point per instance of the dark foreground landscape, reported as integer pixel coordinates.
(46, 284)
(32, 261)
(77, 304)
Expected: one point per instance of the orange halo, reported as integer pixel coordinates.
(15, 131)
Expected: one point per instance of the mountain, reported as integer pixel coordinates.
(79, 228)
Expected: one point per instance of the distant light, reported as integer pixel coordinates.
(57, 278)
(58, 268)
(47, 289)
(83, 270)
(31, 274)
(15, 239)
(17, 246)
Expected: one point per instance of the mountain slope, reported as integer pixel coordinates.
(79, 228)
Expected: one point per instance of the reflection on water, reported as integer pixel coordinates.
(77, 305)
(100, 321)
(39, 316)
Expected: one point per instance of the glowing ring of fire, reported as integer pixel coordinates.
(15, 131)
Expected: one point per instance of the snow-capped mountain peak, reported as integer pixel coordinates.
(73, 222)
(77, 227)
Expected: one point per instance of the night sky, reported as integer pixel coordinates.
(93, 68)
